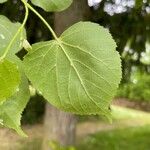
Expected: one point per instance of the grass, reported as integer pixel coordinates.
(131, 138)
(130, 131)
(34, 144)
(122, 113)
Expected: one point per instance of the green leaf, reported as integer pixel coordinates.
(52, 5)
(9, 79)
(80, 72)
(10, 110)
(3, 1)
(7, 32)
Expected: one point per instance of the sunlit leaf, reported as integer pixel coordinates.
(9, 79)
(11, 110)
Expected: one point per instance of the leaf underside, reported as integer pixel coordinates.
(52, 5)
(80, 72)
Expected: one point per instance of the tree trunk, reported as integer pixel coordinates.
(78, 11)
(60, 126)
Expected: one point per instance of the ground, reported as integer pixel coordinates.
(130, 130)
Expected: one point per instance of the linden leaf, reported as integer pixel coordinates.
(9, 79)
(79, 72)
(7, 32)
(11, 110)
(52, 5)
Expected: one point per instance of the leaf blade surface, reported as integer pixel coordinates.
(7, 32)
(11, 110)
(9, 79)
(79, 73)
(52, 5)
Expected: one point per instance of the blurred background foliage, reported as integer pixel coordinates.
(129, 24)
(137, 89)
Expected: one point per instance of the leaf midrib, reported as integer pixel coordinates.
(78, 75)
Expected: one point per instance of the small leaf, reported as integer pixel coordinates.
(52, 5)
(7, 32)
(3, 1)
(9, 79)
(10, 110)
(80, 72)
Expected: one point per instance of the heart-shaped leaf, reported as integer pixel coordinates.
(52, 5)
(9, 79)
(79, 72)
